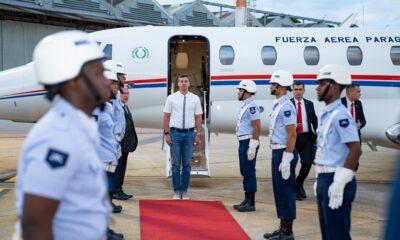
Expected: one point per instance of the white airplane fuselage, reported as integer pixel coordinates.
(150, 58)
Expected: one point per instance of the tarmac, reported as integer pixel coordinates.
(145, 178)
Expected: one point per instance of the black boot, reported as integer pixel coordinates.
(286, 232)
(274, 233)
(298, 192)
(250, 205)
(236, 206)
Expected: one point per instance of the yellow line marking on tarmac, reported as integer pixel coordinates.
(11, 180)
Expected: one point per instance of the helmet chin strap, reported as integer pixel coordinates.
(241, 97)
(100, 102)
(322, 97)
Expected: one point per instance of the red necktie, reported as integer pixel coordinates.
(299, 119)
(352, 109)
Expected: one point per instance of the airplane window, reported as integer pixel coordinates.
(107, 50)
(311, 55)
(354, 55)
(395, 55)
(226, 55)
(268, 55)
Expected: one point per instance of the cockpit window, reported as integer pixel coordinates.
(395, 55)
(107, 50)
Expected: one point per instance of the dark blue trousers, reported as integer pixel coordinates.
(247, 168)
(335, 224)
(284, 190)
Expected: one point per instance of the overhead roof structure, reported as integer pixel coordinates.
(227, 19)
(192, 14)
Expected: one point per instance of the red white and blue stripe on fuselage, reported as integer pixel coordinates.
(226, 80)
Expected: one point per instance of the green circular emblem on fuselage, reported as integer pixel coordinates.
(141, 54)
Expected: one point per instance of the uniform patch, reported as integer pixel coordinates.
(344, 122)
(56, 159)
(287, 113)
(252, 110)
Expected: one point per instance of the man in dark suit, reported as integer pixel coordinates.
(128, 144)
(306, 129)
(353, 104)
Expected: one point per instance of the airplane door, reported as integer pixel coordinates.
(189, 55)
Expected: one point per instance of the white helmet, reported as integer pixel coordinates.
(248, 85)
(115, 66)
(60, 57)
(282, 77)
(337, 73)
(111, 75)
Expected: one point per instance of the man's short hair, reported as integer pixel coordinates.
(351, 87)
(298, 83)
(183, 76)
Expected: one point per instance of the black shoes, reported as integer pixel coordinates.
(285, 232)
(236, 206)
(111, 235)
(300, 192)
(116, 208)
(120, 195)
(248, 204)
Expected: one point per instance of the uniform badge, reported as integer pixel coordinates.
(344, 122)
(56, 159)
(252, 110)
(287, 113)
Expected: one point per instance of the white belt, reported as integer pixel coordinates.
(244, 137)
(274, 146)
(324, 169)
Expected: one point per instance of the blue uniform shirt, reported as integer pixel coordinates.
(59, 161)
(252, 113)
(118, 117)
(109, 147)
(342, 130)
(286, 116)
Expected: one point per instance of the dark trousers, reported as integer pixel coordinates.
(111, 183)
(284, 190)
(304, 146)
(120, 171)
(335, 224)
(247, 168)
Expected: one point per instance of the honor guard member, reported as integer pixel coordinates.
(120, 124)
(338, 152)
(110, 147)
(118, 109)
(248, 132)
(282, 135)
(61, 186)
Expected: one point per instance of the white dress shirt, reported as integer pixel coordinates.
(182, 115)
(303, 114)
(349, 107)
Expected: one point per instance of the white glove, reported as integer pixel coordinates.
(251, 152)
(336, 189)
(315, 188)
(284, 167)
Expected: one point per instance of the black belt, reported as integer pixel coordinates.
(182, 129)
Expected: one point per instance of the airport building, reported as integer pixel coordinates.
(24, 22)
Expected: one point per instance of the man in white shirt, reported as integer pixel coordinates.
(182, 114)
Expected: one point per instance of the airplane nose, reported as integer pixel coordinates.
(393, 133)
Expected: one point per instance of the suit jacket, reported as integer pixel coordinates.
(311, 116)
(129, 142)
(358, 110)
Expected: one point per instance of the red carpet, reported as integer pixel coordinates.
(189, 220)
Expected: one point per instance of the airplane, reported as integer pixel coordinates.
(217, 59)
